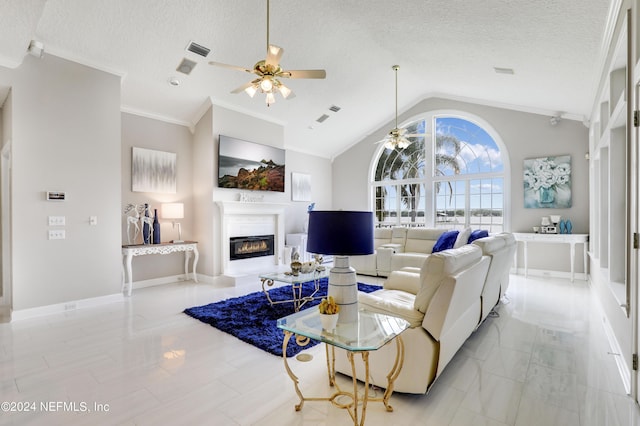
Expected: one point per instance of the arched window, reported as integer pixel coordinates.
(453, 175)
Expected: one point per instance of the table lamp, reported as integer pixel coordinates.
(173, 211)
(341, 234)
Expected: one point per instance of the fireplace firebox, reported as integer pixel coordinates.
(251, 246)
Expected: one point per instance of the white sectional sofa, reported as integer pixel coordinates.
(445, 301)
(400, 247)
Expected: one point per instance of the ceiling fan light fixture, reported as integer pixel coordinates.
(270, 99)
(251, 90)
(284, 91)
(266, 85)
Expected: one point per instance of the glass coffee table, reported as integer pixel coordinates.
(296, 281)
(369, 333)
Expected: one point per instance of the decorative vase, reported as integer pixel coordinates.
(146, 229)
(156, 227)
(563, 227)
(568, 226)
(329, 321)
(546, 195)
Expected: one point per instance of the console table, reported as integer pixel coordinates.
(570, 239)
(129, 251)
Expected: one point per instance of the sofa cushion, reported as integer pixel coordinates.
(445, 241)
(439, 265)
(478, 233)
(396, 303)
(463, 237)
(405, 280)
(421, 240)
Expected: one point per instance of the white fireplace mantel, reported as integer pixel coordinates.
(234, 214)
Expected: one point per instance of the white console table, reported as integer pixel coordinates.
(570, 239)
(129, 251)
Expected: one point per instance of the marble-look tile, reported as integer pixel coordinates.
(542, 361)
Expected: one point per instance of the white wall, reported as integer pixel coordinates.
(143, 132)
(525, 136)
(65, 137)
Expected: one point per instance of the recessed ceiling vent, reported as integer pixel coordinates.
(334, 108)
(322, 118)
(500, 70)
(186, 66)
(198, 49)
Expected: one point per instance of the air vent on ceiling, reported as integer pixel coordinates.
(198, 49)
(186, 66)
(334, 108)
(322, 118)
(500, 70)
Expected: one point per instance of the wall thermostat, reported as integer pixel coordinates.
(55, 196)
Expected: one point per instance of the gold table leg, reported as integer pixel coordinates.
(358, 416)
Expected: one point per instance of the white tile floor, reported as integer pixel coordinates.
(544, 362)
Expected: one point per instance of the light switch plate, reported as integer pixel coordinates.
(57, 220)
(57, 234)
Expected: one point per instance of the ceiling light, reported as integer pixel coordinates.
(251, 90)
(395, 138)
(270, 99)
(266, 84)
(284, 91)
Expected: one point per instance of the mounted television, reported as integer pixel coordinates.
(249, 165)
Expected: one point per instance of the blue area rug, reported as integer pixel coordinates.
(253, 320)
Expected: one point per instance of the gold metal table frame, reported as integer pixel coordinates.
(356, 403)
(296, 282)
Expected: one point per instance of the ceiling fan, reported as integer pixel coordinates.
(269, 72)
(397, 137)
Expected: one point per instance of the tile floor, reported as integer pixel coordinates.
(544, 362)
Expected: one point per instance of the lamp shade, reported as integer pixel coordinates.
(172, 211)
(342, 233)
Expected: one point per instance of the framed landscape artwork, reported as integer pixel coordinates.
(249, 165)
(153, 171)
(547, 182)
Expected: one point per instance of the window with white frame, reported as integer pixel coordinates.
(450, 177)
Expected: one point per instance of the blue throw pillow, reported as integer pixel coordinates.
(478, 233)
(446, 241)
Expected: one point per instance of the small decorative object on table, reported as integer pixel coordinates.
(329, 310)
(296, 267)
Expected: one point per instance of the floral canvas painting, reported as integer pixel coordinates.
(547, 182)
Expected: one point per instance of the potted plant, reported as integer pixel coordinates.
(328, 313)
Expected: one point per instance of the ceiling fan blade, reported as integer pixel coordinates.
(243, 87)
(232, 67)
(303, 74)
(274, 53)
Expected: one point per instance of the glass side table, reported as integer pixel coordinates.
(369, 333)
(296, 281)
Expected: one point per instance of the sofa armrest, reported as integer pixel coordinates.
(403, 280)
(396, 303)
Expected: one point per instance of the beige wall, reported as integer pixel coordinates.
(65, 137)
(525, 135)
(142, 132)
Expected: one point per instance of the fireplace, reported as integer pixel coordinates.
(251, 246)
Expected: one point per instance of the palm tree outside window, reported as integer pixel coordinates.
(451, 178)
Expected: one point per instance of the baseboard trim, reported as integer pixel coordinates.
(545, 273)
(616, 351)
(22, 314)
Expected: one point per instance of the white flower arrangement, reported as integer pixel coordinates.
(545, 173)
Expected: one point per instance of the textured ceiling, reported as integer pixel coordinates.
(443, 47)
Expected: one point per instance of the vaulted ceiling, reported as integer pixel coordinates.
(443, 47)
